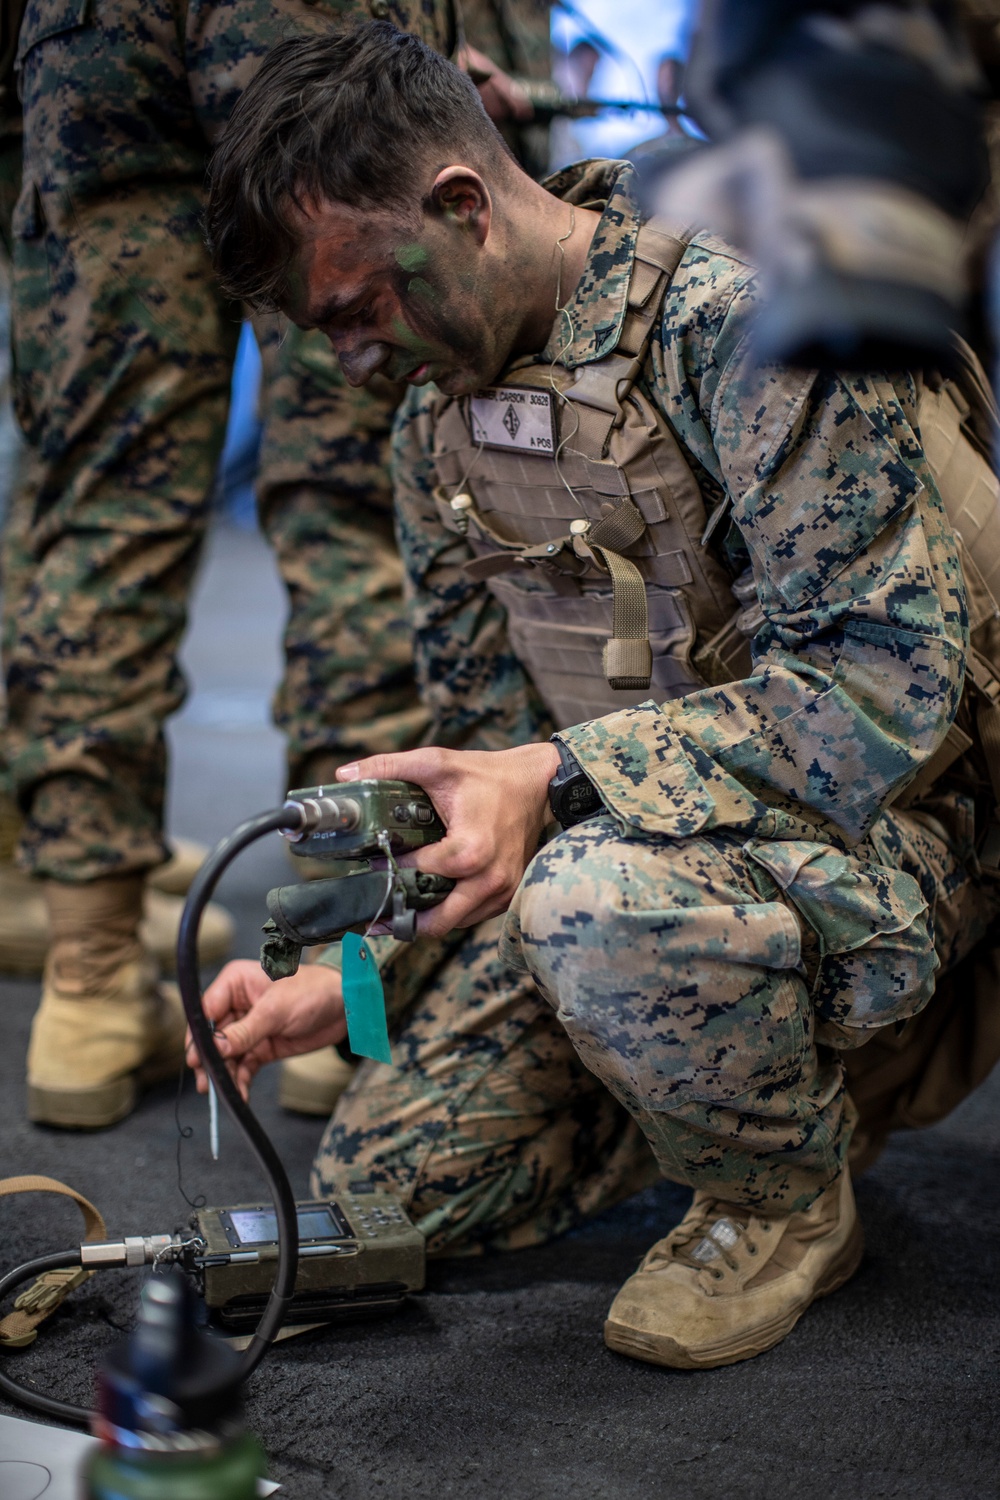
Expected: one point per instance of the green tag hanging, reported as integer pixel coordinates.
(364, 1000)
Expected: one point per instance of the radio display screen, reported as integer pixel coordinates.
(259, 1226)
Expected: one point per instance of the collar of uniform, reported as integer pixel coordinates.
(598, 306)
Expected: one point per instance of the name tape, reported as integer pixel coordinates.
(507, 417)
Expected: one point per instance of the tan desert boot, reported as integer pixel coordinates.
(161, 921)
(25, 932)
(727, 1284)
(89, 1056)
(103, 1026)
(312, 1084)
(175, 877)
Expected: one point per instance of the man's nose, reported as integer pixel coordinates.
(362, 361)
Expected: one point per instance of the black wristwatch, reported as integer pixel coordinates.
(572, 795)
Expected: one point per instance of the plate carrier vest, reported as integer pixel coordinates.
(593, 532)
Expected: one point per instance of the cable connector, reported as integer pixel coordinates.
(133, 1250)
(321, 815)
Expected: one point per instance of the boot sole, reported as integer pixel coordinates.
(83, 1109)
(659, 1349)
(101, 1106)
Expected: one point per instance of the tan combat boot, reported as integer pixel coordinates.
(24, 917)
(312, 1084)
(727, 1284)
(103, 1027)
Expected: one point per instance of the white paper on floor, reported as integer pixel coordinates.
(38, 1462)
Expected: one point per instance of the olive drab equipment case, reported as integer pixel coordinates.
(587, 522)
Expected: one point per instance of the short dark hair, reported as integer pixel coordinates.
(345, 117)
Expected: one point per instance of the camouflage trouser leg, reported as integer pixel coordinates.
(123, 355)
(691, 1000)
(325, 502)
(708, 984)
(489, 1128)
(122, 389)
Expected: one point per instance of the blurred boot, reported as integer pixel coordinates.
(162, 918)
(24, 917)
(24, 927)
(175, 877)
(104, 1027)
(312, 1084)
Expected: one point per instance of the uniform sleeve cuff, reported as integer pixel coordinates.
(657, 780)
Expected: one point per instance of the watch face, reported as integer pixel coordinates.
(580, 797)
(576, 799)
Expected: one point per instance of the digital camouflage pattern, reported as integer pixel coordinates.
(489, 1127)
(700, 1012)
(123, 353)
(746, 909)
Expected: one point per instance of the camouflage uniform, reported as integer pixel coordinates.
(746, 909)
(123, 352)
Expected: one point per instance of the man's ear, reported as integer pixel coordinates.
(461, 196)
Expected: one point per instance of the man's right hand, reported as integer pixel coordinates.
(258, 1020)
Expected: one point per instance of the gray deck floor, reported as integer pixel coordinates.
(496, 1382)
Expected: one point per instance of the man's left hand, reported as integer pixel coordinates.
(494, 805)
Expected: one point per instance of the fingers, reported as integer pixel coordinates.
(234, 989)
(471, 902)
(504, 98)
(240, 1035)
(428, 767)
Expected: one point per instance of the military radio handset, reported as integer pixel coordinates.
(356, 822)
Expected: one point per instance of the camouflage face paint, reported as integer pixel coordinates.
(411, 257)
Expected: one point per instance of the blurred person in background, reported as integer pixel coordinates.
(123, 350)
(630, 51)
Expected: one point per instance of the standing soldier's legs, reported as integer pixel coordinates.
(325, 502)
(122, 360)
(124, 356)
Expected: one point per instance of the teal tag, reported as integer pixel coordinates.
(364, 1000)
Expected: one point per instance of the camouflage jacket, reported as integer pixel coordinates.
(859, 664)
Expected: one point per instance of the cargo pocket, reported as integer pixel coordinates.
(876, 958)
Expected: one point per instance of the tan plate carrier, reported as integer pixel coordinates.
(599, 548)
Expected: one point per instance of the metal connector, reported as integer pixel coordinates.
(321, 815)
(133, 1250)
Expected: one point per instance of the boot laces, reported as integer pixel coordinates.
(711, 1235)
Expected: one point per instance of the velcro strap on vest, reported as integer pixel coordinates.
(628, 656)
(19, 1328)
(620, 528)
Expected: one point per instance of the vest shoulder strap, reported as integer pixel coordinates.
(603, 385)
